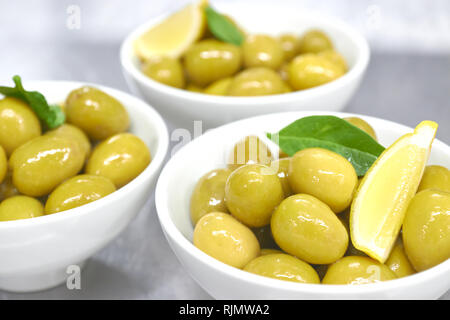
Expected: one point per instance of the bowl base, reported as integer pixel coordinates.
(40, 281)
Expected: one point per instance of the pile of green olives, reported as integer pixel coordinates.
(88, 157)
(287, 218)
(261, 65)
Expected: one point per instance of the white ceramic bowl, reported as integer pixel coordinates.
(181, 107)
(208, 152)
(35, 253)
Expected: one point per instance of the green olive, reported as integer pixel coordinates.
(398, 261)
(284, 71)
(219, 87)
(266, 251)
(264, 236)
(363, 125)
(252, 192)
(166, 70)
(262, 51)
(209, 194)
(258, 81)
(20, 207)
(310, 70)
(282, 167)
(95, 112)
(18, 124)
(224, 238)
(325, 175)
(336, 58)
(290, 45)
(41, 164)
(7, 188)
(426, 231)
(305, 227)
(314, 41)
(121, 158)
(435, 177)
(194, 88)
(74, 133)
(357, 270)
(3, 164)
(77, 191)
(250, 150)
(210, 60)
(283, 267)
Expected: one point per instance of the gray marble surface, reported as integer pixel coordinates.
(406, 82)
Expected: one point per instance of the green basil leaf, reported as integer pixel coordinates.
(222, 28)
(51, 115)
(334, 134)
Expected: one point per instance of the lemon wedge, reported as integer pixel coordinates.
(174, 34)
(384, 194)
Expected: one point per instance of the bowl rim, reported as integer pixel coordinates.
(173, 234)
(130, 102)
(329, 22)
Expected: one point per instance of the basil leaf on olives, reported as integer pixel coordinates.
(332, 133)
(222, 28)
(51, 115)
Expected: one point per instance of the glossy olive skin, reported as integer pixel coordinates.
(20, 207)
(262, 51)
(3, 164)
(282, 167)
(426, 229)
(315, 41)
(252, 192)
(324, 174)
(353, 270)
(257, 81)
(209, 194)
(74, 133)
(224, 238)
(284, 71)
(250, 150)
(363, 125)
(264, 236)
(43, 163)
(210, 60)
(398, 261)
(290, 45)
(95, 112)
(283, 267)
(18, 124)
(77, 191)
(435, 177)
(121, 158)
(310, 70)
(305, 227)
(336, 58)
(165, 70)
(7, 188)
(219, 87)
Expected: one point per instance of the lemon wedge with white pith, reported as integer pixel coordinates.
(174, 34)
(384, 194)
